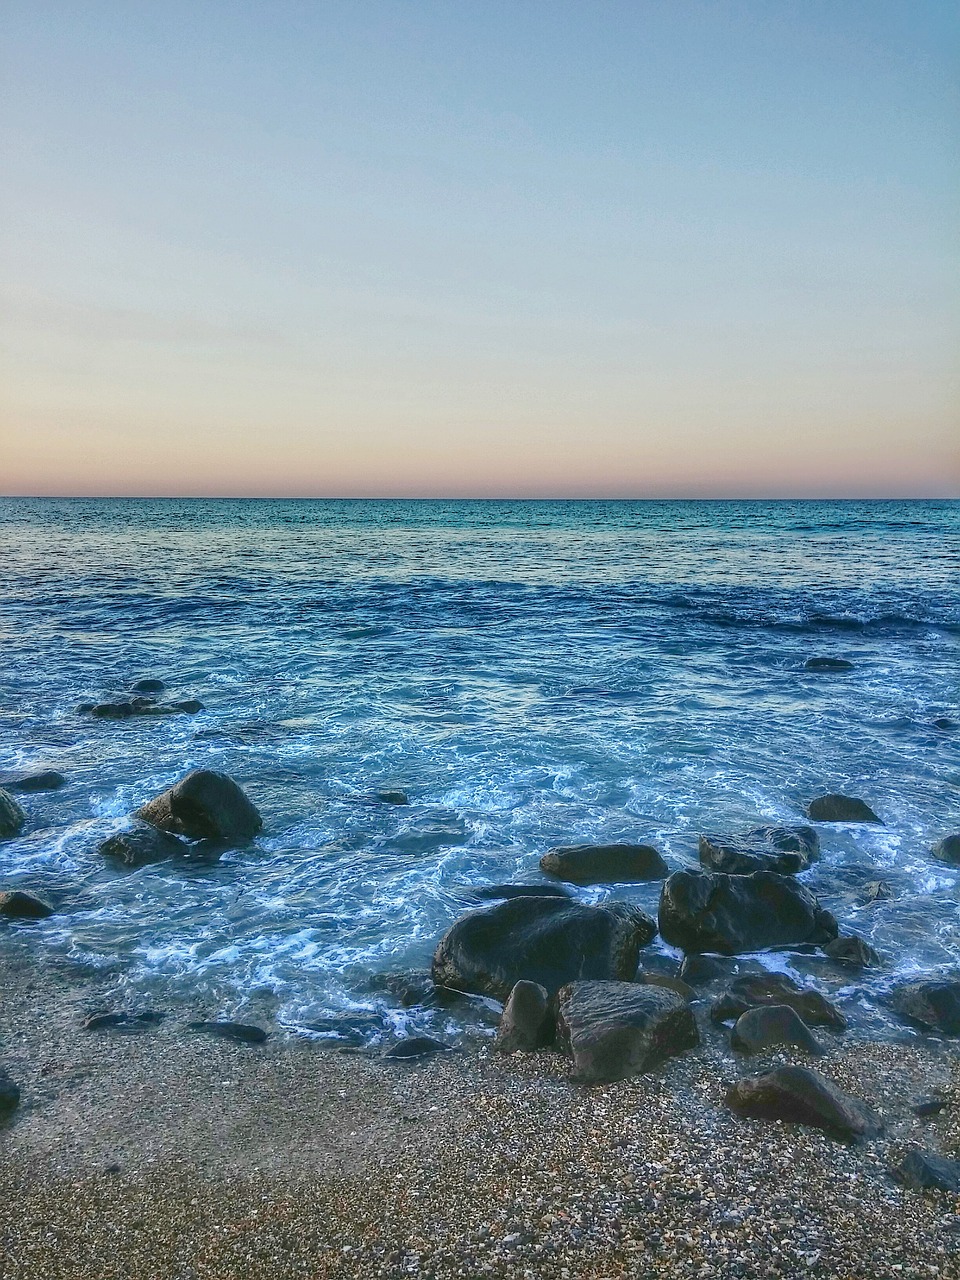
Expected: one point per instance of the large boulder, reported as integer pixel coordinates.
(12, 817)
(948, 850)
(618, 1029)
(204, 805)
(934, 1003)
(755, 990)
(709, 911)
(605, 864)
(141, 845)
(771, 1025)
(552, 941)
(925, 1171)
(33, 780)
(16, 905)
(528, 1022)
(802, 1096)
(837, 808)
(786, 850)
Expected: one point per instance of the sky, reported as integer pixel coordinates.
(513, 248)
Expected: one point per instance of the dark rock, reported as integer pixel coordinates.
(415, 1047)
(143, 705)
(770, 1025)
(925, 1107)
(355, 1030)
(241, 1032)
(142, 845)
(12, 817)
(113, 710)
(123, 1021)
(188, 707)
(758, 989)
(698, 970)
(41, 780)
(875, 891)
(786, 850)
(528, 1022)
(504, 891)
(948, 850)
(802, 1096)
(854, 951)
(618, 1029)
(203, 805)
(392, 797)
(934, 1003)
(9, 1095)
(85, 708)
(605, 864)
(419, 988)
(683, 990)
(16, 905)
(828, 664)
(837, 808)
(943, 722)
(548, 940)
(924, 1171)
(148, 686)
(709, 911)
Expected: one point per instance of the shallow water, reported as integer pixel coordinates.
(530, 673)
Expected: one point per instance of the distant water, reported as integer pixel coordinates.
(530, 673)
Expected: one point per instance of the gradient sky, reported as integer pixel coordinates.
(473, 247)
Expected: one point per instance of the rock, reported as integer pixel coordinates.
(498, 891)
(9, 1095)
(392, 797)
(934, 1003)
(802, 1096)
(241, 1032)
(618, 1029)
(770, 1025)
(945, 723)
(527, 1023)
(698, 970)
(548, 940)
(188, 707)
(40, 780)
(828, 664)
(786, 850)
(148, 686)
(875, 891)
(16, 905)
(113, 710)
(837, 808)
(710, 911)
(142, 845)
(682, 989)
(854, 951)
(352, 1030)
(605, 864)
(123, 1021)
(948, 850)
(203, 805)
(142, 705)
(12, 817)
(925, 1107)
(419, 988)
(415, 1047)
(924, 1171)
(758, 989)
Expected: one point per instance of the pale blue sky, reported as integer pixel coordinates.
(481, 248)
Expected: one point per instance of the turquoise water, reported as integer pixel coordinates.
(530, 673)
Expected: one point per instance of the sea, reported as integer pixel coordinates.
(529, 673)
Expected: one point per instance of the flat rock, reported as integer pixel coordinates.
(141, 845)
(710, 911)
(925, 1171)
(800, 1095)
(123, 1021)
(240, 1032)
(837, 808)
(38, 780)
(491, 892)
(527, 1023)
(934, 1003)
(786, 850)
(9, 1095)
(771, 1025)
(16, 905)
(948, 850)
(754, 990)
(853, 951)
(204, 805)
(605, 864)
(12, 817)
(828, 664)
(619, 1029)
(548, 940)
(415, 1047)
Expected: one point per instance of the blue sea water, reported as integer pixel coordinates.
(530, 673)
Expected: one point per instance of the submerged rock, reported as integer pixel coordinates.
(948, 850)
(802, 1096)
(391, 796)
(786, 850)
(853, 951)
(699, 971)
(12, 817)
(837, 808)
(141, 845)
(528, 1022)
(123, 1021)
(828, 664)
(757, 989)
(605, 864)
(38, 780)
(934, 1003)
(9, 1095)
(149, 685)
(618, 1029)
(710, 911)
(415, 1047)
(143, 705)
(875, 891)
(240, 1032)
(770, 1025)
(548, 940)
(16, 905)
(204, 805)
(944, 723)
(925, 1171)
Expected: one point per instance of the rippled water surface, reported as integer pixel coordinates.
(529, 673)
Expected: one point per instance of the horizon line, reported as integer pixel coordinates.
(396, 497)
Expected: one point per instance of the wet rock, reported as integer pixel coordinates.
(767, 1026)
(619, 1029)
(16, 905)
(415, 1047)
(799, 1095)
(388, 796)
(419, 988)
(925, 1171)
(786, 850)
(948, 850)
(828, 664)
(142, 705)
(710, 911)
(113, 710)
(698, 970)
(354, 1031)
(669, 983)
(934, 1003)
(188, 707)
(853, 951)
(944, 723)
(759, 989)
(39, 780)
(605, 864)
(12, 817)
(204, 805)
(149, 685)
(240, 1032)
(9, 1095)
(142, 845)
(837, 808)
(875, 891)
(123, 1021)
(527, 1023)
(504, 891)
(548, 940)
